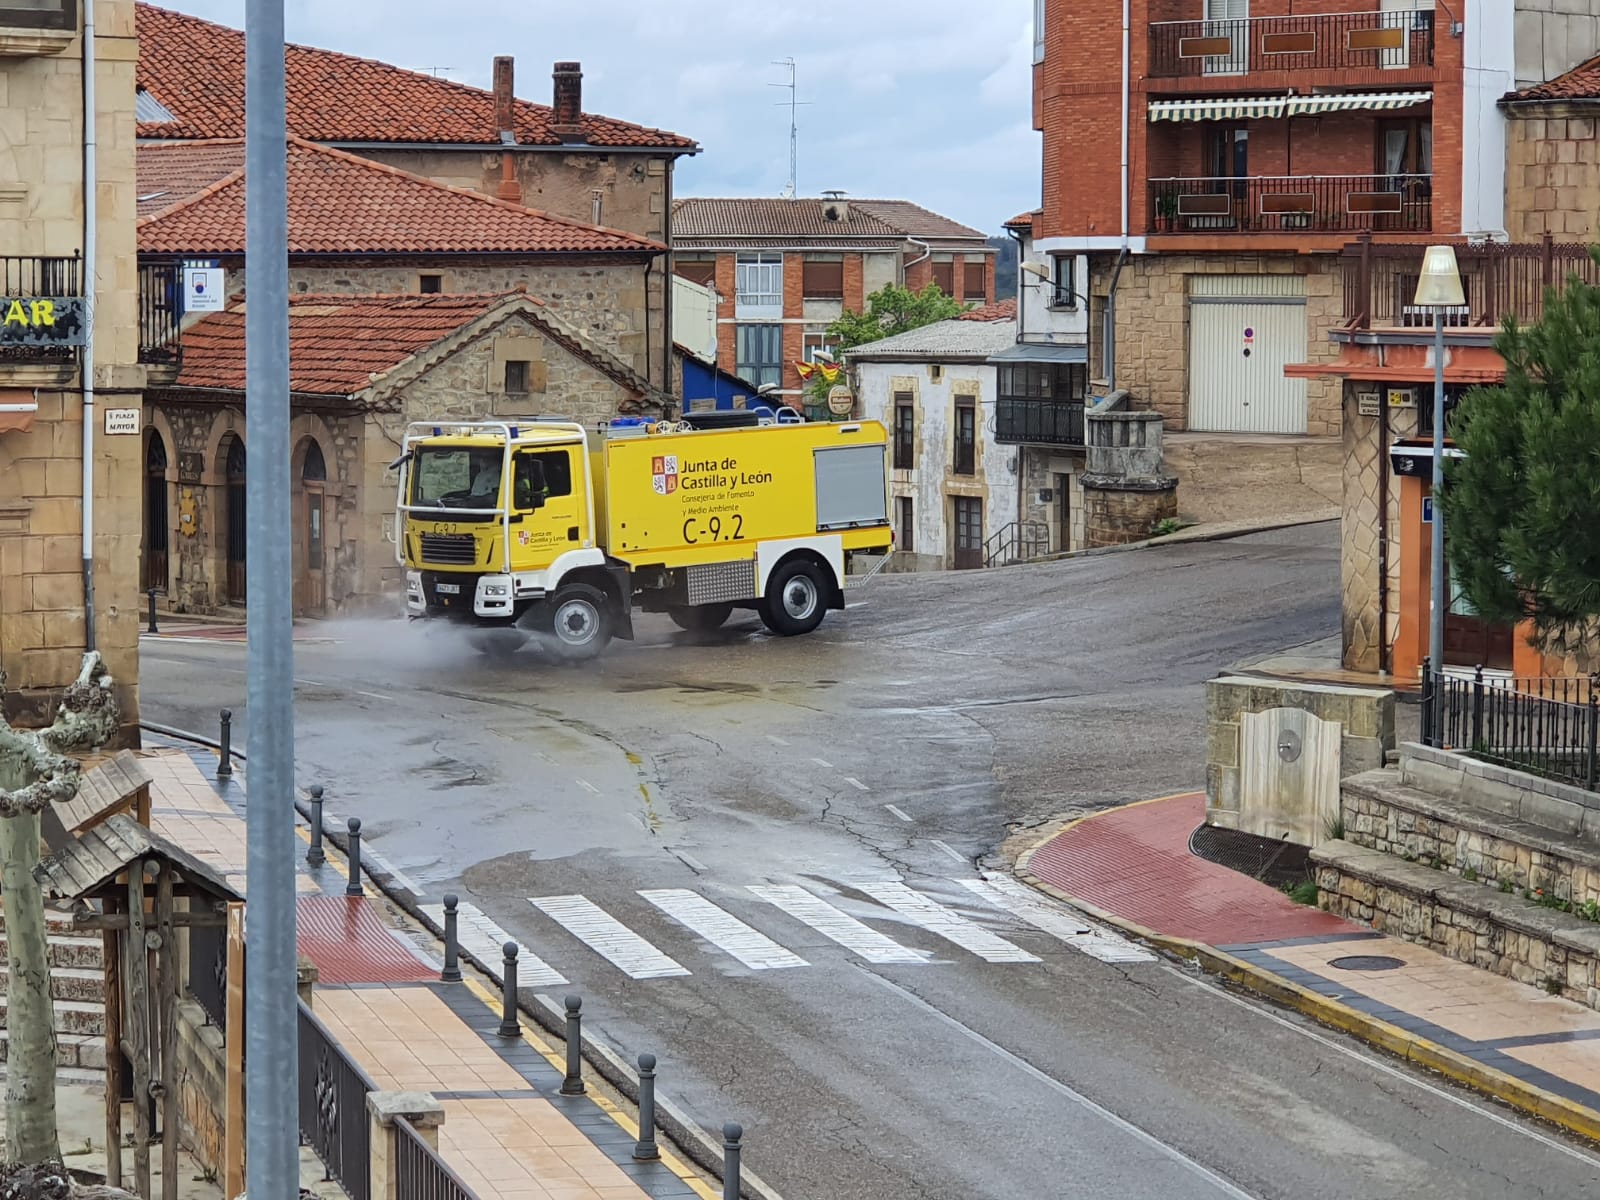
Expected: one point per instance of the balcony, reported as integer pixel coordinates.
(1292, 204)
(41, 311)
(1330, 42)
(1025, 422)
(30, 28)
(160, 313)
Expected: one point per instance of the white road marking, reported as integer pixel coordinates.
(1223, 1186)
(392, 871)
(946, 923)
(837, 926)
(822, 762)
(588, 787)
(856, 783)
(608, 937)
(950, 850)
(310, 683)
(776, 740)
(1022, 901)
(545, 757)
(375, 696)
(485, 941)
(898, 811)
(722, 929)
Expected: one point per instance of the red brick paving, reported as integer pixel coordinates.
(349, 943)
(1134, 862)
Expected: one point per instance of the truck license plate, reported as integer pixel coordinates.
(447, 589)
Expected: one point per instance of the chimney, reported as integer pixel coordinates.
(504, 95)
(568, 121)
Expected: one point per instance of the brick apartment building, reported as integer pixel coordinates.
(1211, 161)
(47, 289)
(784, 269)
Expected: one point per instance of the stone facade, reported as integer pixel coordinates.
(1552, 171)
(1368, 533)
(202, 1086)
(42, 634)
(1552, 37)
(1152, 350)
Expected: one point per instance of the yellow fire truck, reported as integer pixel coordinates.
(548, 528)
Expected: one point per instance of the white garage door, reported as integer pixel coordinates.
(1243, 330)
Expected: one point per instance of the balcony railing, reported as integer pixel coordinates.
(1292, 204)
(1330, 41)
(160, 312)
(1032, 422)
(41, 309)
(1380, 282)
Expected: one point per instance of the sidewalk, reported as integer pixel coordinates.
(507, 1131)
(191, 629)
(1131, 867)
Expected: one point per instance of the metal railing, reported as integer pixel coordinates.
(160, 312)
(1325, 41)
(208, 972)
(1028, 421)
(419, 1172)
(1017, 542)
(1499, 280)
(333, 1107)
(1552, 738)
(26, 277)
(1291, 204)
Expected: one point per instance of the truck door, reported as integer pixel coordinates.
(549, 513)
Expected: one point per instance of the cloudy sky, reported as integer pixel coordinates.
(922, 99)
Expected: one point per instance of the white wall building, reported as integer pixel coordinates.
(694, 318)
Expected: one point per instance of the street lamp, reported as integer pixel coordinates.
(1438, 288)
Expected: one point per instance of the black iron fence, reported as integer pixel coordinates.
(333, 1107)
(1552, 732)
(1292, 204)
(40, 275)
(160, 312)
(40, 283)
(1325, 41)
(419, 1172)
(1017, 542)
(1038, 422)
(208, 972)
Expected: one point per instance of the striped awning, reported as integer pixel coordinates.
(1246, 108)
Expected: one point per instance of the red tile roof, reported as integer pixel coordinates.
(1580, 83)
(195, 69)
(342, 204)
(1024, 220)
(336, 343)
(709, 218)
(1001, 310)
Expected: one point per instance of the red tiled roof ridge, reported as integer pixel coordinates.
(183, 202)
(1000, 310)
(1569, 85)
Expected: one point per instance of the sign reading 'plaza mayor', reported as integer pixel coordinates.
(41, 321)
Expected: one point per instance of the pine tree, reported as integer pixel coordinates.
(1522, 507)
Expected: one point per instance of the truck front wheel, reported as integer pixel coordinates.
(700, 618)
(580, 621)
(796, 598)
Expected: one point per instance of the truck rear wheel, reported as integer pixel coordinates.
(796, 598)
(580, 621)
(700, 618)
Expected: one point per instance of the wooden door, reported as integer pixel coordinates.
(969, 532)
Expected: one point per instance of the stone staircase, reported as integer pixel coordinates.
(77, 986)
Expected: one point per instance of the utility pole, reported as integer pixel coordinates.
(793, 103)
(272, 1152)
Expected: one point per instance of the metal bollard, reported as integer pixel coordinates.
(225, 746)
(572, 1085)
(647, 1150)
(731, 1133)
(152, 629)
(509, 1025)
(452, 963)
(353, 888)
(314, 854)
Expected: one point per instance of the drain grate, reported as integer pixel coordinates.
(1266, 859)
(1367, 962)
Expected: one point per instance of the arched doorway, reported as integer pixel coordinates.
(312, 589)
(157, 526)
(237, 520)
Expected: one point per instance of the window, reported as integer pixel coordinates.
(905, 519)
(1041, 403)
(456, 478)
(944, 274)
(1413, 316)
(1064, 281)
(546, 474)
(430, 285)
(758, 281)
(975, 280)
(813, 345)
(905, 428)
(1038, 30)
(1405, 147)
(966, 435)
(696, 270)
(39, 14)
(516, 375)
(758, 353)
(822, 279)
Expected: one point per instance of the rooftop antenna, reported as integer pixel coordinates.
(794, 102)
(437, 72)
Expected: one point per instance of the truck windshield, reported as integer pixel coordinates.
(457, 477)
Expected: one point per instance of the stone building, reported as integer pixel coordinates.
(1553, 157)
(361, 368)
(784, 269)
(555, 158)
(47, 291)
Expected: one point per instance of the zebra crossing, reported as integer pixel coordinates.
(600, 931)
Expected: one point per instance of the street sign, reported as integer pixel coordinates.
(1427, 510)
(204, 289)
(122, 421)
(41, 321)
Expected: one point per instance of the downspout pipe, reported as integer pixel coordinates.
(927, 253)
(1108, 353)
(91, 183)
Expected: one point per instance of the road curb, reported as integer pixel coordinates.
(1509, 1090)
(1222, 533)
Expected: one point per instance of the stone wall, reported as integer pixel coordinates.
(1153, 324)
(202, 1086)
(1362, 559)
(1552, 37)
(1552, 172)
(42, 634)
(1118, 516)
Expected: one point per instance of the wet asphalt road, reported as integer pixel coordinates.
(916, 739)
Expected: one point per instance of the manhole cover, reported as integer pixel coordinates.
(1267, 859)
(1367, 962)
